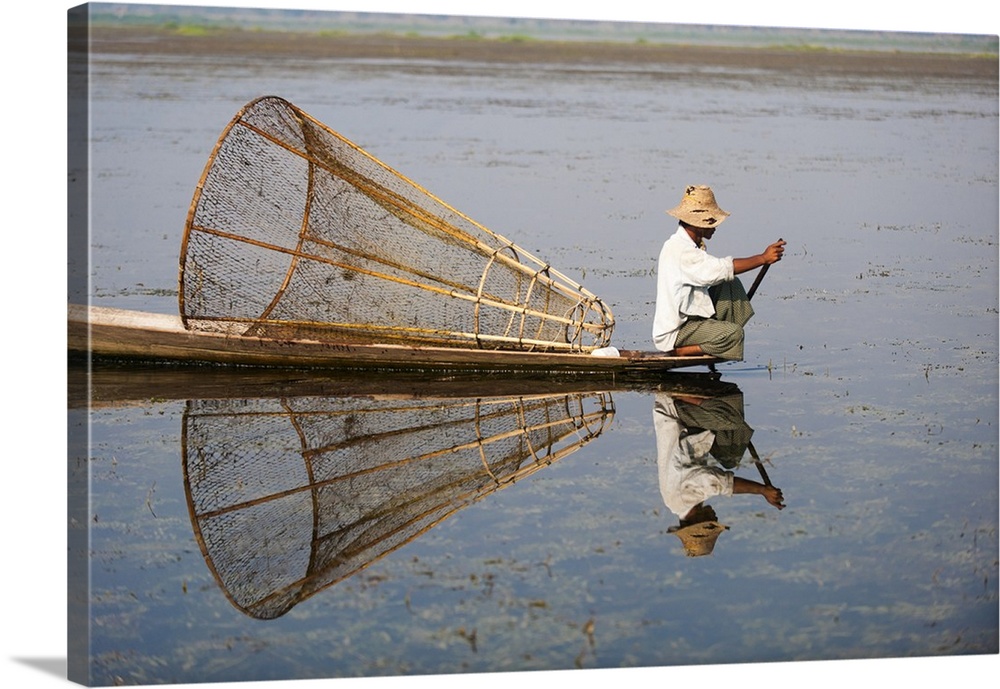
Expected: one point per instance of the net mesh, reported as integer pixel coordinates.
(295, 231)
(288, 497)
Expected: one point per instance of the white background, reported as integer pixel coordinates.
(34, 259)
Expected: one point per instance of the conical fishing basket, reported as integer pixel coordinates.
(295, 232)
(290, 496)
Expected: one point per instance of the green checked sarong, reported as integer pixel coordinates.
(722, 335)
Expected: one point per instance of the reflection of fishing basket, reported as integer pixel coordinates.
(290, 496)
(296, 232)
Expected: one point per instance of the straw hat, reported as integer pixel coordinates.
(698, 208)
(699, 539)
(699, 530)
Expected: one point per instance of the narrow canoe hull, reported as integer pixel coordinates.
(135, 335)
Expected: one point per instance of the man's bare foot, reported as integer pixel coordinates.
(687, 350)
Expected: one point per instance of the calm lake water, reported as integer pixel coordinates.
(227, 543)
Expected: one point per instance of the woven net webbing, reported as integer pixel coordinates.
(288, 497)
(294, 231)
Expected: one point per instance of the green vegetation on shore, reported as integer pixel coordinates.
(195, 21)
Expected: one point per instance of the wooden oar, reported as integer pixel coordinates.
(756, 282)
(760, 464)
(760, 277)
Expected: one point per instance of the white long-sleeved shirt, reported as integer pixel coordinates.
(683, 275)
(686, 476)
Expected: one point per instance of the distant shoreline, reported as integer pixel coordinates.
(148, 40)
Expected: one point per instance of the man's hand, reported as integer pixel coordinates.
(773, 496)
(772, 254)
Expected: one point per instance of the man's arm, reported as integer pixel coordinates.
(771, 494)
(772, 254)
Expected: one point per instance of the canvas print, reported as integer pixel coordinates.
(412, 345)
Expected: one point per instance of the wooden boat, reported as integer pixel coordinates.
(301, 250)
(111, 333)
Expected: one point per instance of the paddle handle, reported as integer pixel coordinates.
(760, 277)
(760, 464)
(756, 283)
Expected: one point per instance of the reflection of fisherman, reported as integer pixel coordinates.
(690, 432)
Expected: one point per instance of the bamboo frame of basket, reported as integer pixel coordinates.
(422, 505)
(584, 321)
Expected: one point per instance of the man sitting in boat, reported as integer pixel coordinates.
(701, 307)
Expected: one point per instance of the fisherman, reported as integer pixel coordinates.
(699, 443)
(701, 307)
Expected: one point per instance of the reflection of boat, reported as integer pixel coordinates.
(289, 496)
(297, 479)
(136, 335)
(100, 383)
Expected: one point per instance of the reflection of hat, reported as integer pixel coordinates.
(699, 531)
(698, 208)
